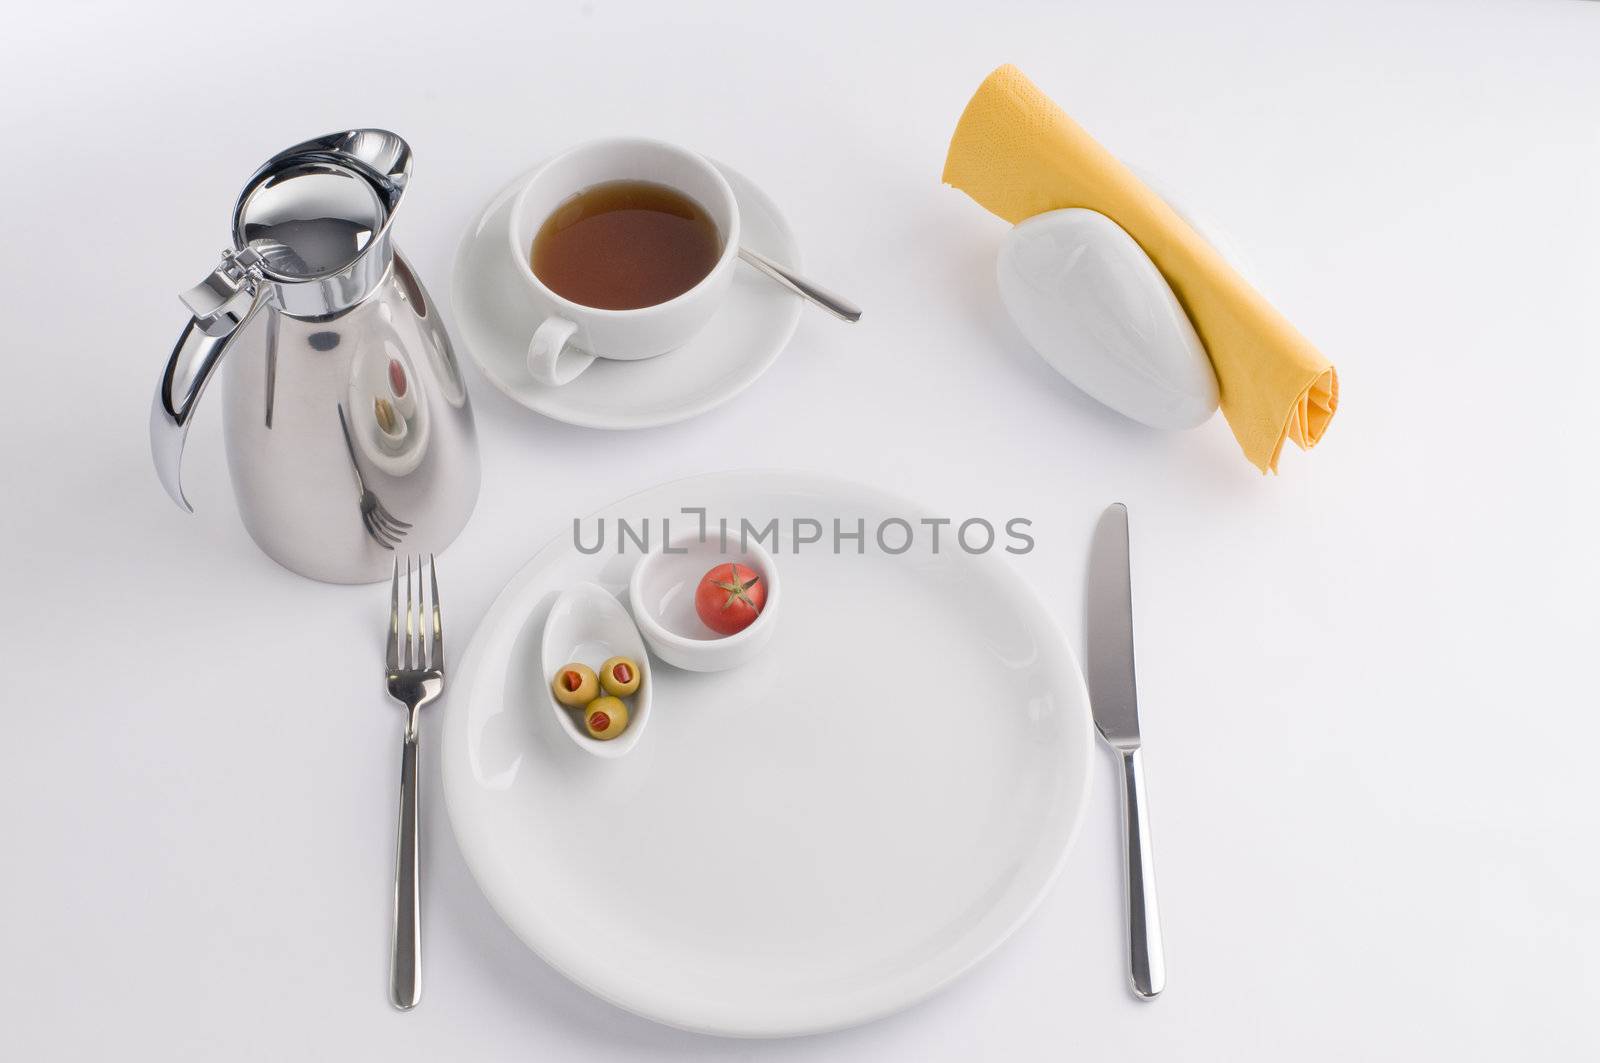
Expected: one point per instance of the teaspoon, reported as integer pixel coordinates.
(839, 307)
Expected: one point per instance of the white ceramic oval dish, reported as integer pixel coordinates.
(1090, 301)
(587, 625)
(661, 593)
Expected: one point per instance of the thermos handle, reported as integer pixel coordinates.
(221, 304)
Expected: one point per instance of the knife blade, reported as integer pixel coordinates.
(1114, 701)
(1112, 692)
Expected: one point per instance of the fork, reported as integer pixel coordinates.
(415, 672)
(384, 527)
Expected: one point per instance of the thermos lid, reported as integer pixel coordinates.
(318, 216)
(309, 219)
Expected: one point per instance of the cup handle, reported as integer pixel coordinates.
(552, 359)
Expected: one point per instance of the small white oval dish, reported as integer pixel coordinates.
(661, 591)
(587, 626)
(1090, 301)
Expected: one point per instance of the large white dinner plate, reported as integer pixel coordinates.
(745, 336)
(821, 837)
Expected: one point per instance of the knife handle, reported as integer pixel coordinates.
(1147, 966)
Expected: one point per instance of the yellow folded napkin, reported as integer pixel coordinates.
(1018, 155)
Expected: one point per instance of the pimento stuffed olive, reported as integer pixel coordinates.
(619, 676)
(575, 685)
(605, 718)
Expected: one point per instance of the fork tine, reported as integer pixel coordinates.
(387, 519)
(422, 618)
(379, 535)
(376, 530)
(392, 655)
(410, 617)
(436, 655)
(390, 518)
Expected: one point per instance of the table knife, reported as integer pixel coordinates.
(1116, 715)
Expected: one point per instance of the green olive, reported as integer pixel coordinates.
(620, 676)
(575, 685)
(605, 718)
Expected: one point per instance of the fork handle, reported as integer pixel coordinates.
(405, 961)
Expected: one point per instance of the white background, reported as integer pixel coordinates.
(1368, 683)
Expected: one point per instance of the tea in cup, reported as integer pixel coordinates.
(626, 248)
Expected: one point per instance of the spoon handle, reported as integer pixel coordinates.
(838, 306)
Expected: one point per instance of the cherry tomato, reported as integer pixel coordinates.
(730, 597)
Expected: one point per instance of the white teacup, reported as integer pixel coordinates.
(570, 336)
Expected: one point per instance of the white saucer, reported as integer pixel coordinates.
(831, 832)
(746, 336)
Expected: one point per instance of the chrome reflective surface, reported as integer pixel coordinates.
(336, 363)
(319, 215)
(1109, 666)
(382, 525)
(414, 670)
(310, 220)
(1115, 704)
